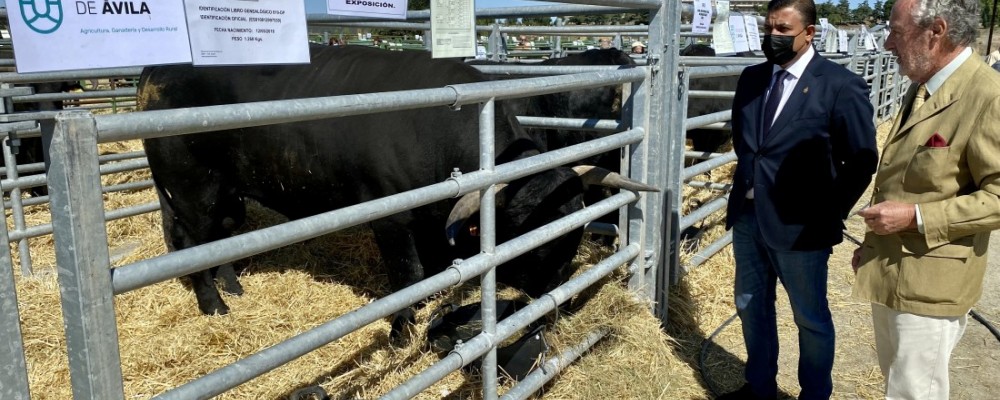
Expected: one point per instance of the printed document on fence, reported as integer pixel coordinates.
(388, 9)
(453, 28)
(753, 33)
(235, 32)
(702, 16)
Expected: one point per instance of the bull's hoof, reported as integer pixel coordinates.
(226, 277)
(690, 238)
(403, 323)
(214, 309)
(309, 393)
(232, 286)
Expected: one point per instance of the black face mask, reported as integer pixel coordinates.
(778, 48)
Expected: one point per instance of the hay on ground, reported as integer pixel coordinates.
(165, 341)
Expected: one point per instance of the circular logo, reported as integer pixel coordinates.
(42, 16)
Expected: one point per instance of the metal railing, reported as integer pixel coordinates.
(652, 125)
(74, 154)
(878, 69)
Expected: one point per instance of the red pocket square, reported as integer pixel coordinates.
(936, 141)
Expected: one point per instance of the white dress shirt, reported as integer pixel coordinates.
(795, 72)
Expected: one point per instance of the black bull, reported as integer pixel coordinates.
(591, 104)
(305, 168)
(708, 140)
(606, 103)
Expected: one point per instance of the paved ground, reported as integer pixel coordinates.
(975, 366)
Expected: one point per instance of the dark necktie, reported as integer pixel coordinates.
(773, 98)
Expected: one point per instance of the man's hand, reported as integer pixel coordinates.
(856, 260)
(890, 217)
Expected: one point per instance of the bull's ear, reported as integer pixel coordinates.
(463, 209)
(592, 175)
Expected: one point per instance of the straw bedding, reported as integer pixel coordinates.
(165, 342)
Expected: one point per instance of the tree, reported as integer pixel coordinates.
(536, 21)
(887, 8)
(878, 12)
(587, 20)
(830, 12)
(987, 13)
(862, 14)
(844, 11)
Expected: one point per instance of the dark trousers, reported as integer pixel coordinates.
(803, 275)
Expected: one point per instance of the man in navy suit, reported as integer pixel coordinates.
(804, 136)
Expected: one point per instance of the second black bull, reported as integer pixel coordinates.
(703, 139)
(606, 103)
(306, 168)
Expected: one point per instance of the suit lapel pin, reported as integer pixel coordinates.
(805, 90)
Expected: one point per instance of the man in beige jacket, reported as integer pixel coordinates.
(936, 197)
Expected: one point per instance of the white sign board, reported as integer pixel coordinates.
(388, 9)
(830, 43)
(842, 44)
(753, 33)
(869, 39)
(824, 25)
(228, 32)
(53, 35)
(453, 28)
(722, 39)
(702, 16)
(738, 29)
(721, 9)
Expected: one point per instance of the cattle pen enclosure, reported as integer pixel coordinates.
(136, 332)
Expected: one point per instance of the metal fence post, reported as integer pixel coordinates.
(636, 108)
(654, 160)
(878, 82)
(82, 259)
(487, 244)
(16, 207)
(496, 48)
(14, 373)
(10, 161)
(675, 181)
(557, 50)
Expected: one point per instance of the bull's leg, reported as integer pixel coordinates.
(209, 300)
(210, 211)
(398, 249)
(202, 282)
(225, 275)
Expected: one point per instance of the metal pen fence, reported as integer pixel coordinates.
(92, 367)
(34, 124)
(654, 119)
(879, 69)
(74, 206)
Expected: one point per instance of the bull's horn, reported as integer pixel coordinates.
(466, 206)
(592, 175)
